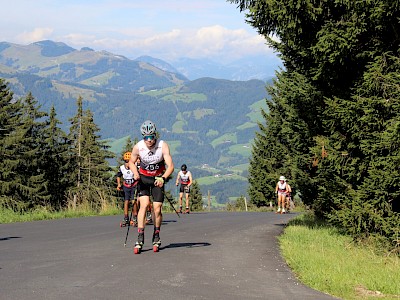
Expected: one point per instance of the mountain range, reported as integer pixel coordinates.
(209, 123)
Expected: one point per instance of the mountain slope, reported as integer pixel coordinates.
(209, 123)
(92, 68)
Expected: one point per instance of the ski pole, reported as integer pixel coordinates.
(127, 231)
(170, 203)
(130, 218)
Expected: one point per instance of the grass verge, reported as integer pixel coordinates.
(327, 261)
(9, 216)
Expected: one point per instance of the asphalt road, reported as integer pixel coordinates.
(202, 256)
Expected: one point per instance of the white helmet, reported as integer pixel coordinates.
(148, 128)
(282, 178)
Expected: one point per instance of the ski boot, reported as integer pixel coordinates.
(139, 244)
(134, 221)
(148, 218)
(278, 211)
(187, 211)
(156, 241)
(180, 209)
(125, 222)
(283, 211)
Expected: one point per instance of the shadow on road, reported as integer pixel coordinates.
(187, 245)
(9, 238)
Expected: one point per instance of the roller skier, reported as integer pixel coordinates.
(156, 166)
(129, 188)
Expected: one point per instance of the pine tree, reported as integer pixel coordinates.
(196, 198)
(93, 176)
(336, 112)
(31, 183)
(22, 181)
(56, 155)
(10, 119)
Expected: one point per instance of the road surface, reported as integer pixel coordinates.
(202, 256)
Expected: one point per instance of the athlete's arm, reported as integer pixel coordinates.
(190, 179)
(168, 160)
(132, 162)
(177, 178)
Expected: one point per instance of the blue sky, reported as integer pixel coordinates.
(168, 30)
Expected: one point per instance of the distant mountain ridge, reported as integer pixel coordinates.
(207, 122)
(206, 114)
(55, 60)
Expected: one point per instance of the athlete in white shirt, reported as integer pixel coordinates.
(155, 167)
(185, 179)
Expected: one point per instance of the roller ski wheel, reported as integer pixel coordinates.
(156, 246)
(138, 248)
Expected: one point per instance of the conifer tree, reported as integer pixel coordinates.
(22, 181)
(93, 176)
(31, 182)
(10, 119)
(336, 107)
(56, 155)
(196, 197)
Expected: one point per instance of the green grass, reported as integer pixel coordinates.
(327, 261)
(255, 114)
(226, 138)
(185, 97)
(9, 216)
(241, 149)
(208, 180)
(240, 168)
(246, 126)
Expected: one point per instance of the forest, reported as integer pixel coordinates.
(333, 126)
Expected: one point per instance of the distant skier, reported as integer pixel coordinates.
(129, 187)
(281, 190)
(184, 178)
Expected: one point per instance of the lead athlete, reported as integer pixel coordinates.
(155, 167)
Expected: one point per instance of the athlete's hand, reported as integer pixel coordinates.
(159, 181)
(118, 187)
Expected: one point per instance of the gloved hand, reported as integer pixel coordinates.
(159, 181)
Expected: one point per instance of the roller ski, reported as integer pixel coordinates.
(187, 211)
(156, 241)
(180, 210)
(138, 248)
(139, 244)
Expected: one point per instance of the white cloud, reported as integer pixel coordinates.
(37, 34)
(214, 42)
